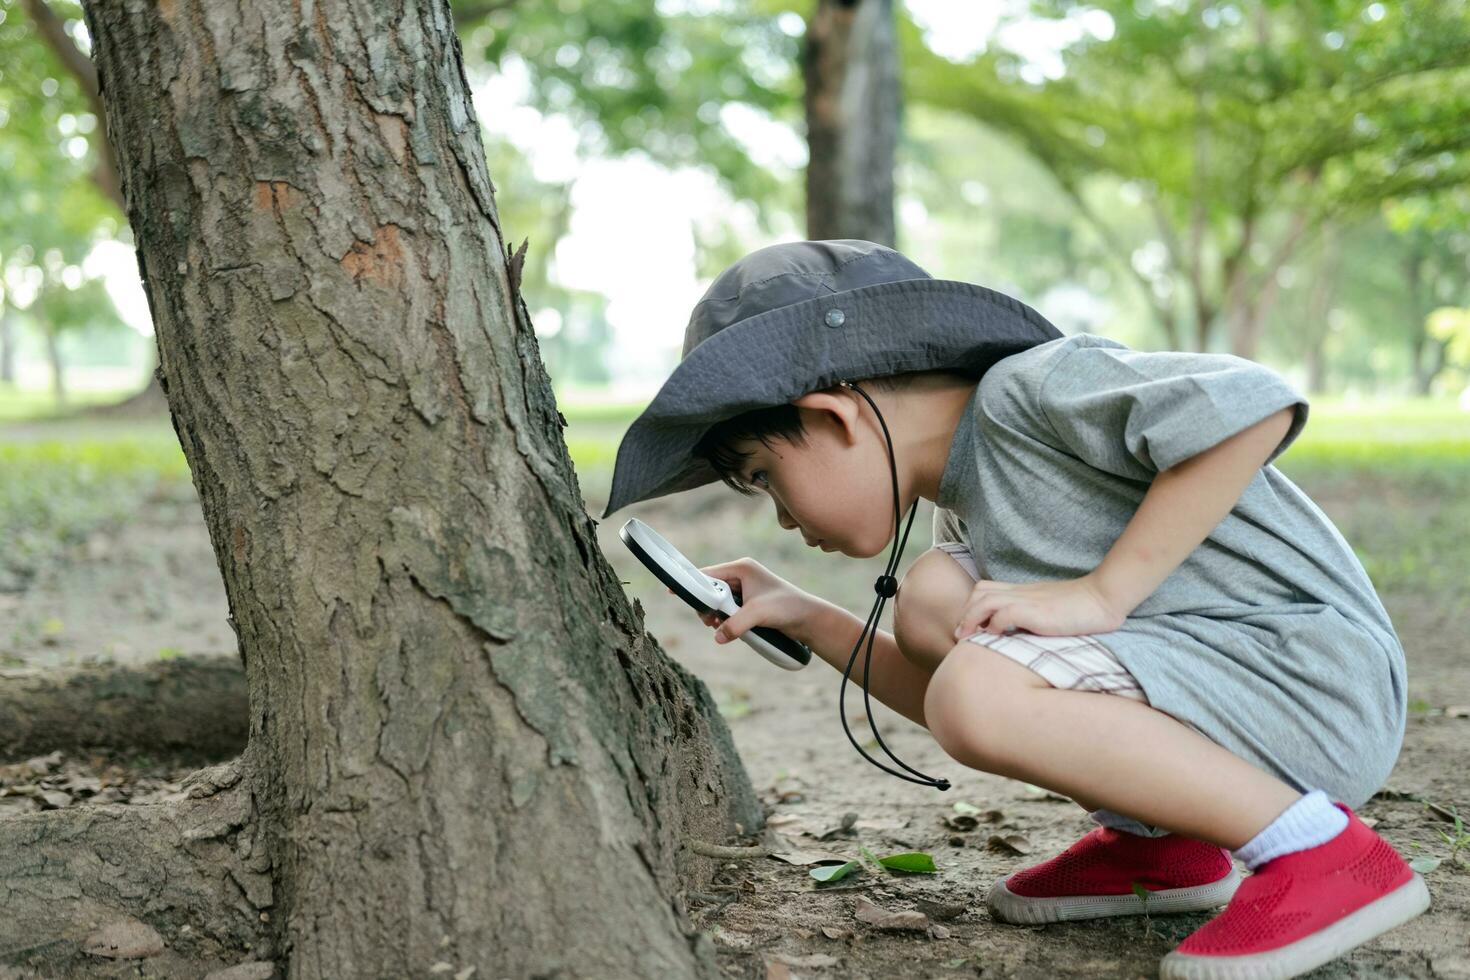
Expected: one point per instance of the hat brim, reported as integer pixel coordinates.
(772, 358)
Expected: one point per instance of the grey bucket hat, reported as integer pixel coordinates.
(798, 317)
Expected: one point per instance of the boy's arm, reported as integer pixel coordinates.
(832, 631)
(1182, 506)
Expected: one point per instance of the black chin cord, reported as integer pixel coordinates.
(886, 586)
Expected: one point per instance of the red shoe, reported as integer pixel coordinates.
(1095, 877)
(1302, 909)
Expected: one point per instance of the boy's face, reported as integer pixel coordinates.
(836, 489)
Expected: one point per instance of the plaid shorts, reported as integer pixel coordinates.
(1079, 663)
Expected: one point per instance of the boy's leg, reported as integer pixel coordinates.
(991, 713)
(927, 606)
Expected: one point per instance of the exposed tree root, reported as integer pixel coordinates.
(194, 706)
(190, 870)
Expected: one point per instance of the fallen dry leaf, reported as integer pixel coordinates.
(836, 932)
(849, 821)
(798, 856)
(940, 910)
(939, 932)
(1009, 844)
(882, 918)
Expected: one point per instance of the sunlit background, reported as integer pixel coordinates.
(623, 241)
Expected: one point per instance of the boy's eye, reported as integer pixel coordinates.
(756, 474)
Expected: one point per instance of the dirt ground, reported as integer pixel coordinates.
(152, 584)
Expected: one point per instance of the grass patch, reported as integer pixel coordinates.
(1391, 474)
(20, 406)
(54, 492)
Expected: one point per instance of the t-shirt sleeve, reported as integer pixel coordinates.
(1135, 413)
(948, 528)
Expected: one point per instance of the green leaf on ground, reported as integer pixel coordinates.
(913, 862)
(832, 872)
(1424, 864)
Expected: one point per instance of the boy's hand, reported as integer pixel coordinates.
(766, 599)
(1047, 608)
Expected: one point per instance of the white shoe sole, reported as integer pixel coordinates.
(1293, 959)
(1007, 906)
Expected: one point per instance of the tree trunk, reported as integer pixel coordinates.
(464, 749)
(1319, 310)
(1426, 354)
(1439, 350)
(7, 345)
(58, 367)
(850, 64)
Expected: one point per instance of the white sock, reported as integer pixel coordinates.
(1128, 825)
(1310, 821)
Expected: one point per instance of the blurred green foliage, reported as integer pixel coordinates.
(1245, 130)
(52, 211)
(634, 75)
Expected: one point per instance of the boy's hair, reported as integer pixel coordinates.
(716, 446)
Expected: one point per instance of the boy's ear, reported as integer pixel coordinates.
(841, 409)
(821, 401)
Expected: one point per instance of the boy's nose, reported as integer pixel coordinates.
(784, 519)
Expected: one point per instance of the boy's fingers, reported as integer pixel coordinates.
(730, 629)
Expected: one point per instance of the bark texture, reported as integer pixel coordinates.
(464, 749)
(853, 107)
(191, 706)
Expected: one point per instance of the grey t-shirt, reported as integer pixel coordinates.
(1268, 637)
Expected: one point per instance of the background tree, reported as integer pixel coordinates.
(670, 85)
(1435, 235)
(57, 181)
(853, 111)
(463, 747)
(1245, 127)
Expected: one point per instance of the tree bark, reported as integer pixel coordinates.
(190, 706)
(463, 748)
(853, 109)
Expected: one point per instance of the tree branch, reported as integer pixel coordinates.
(53, 32)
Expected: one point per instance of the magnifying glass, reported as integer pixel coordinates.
(705, 594)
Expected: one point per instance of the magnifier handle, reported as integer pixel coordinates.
(770, 643)
(782, 646)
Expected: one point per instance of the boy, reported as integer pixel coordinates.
(1107, 522)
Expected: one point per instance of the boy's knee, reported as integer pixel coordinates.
(968, 703)
(928, 603)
